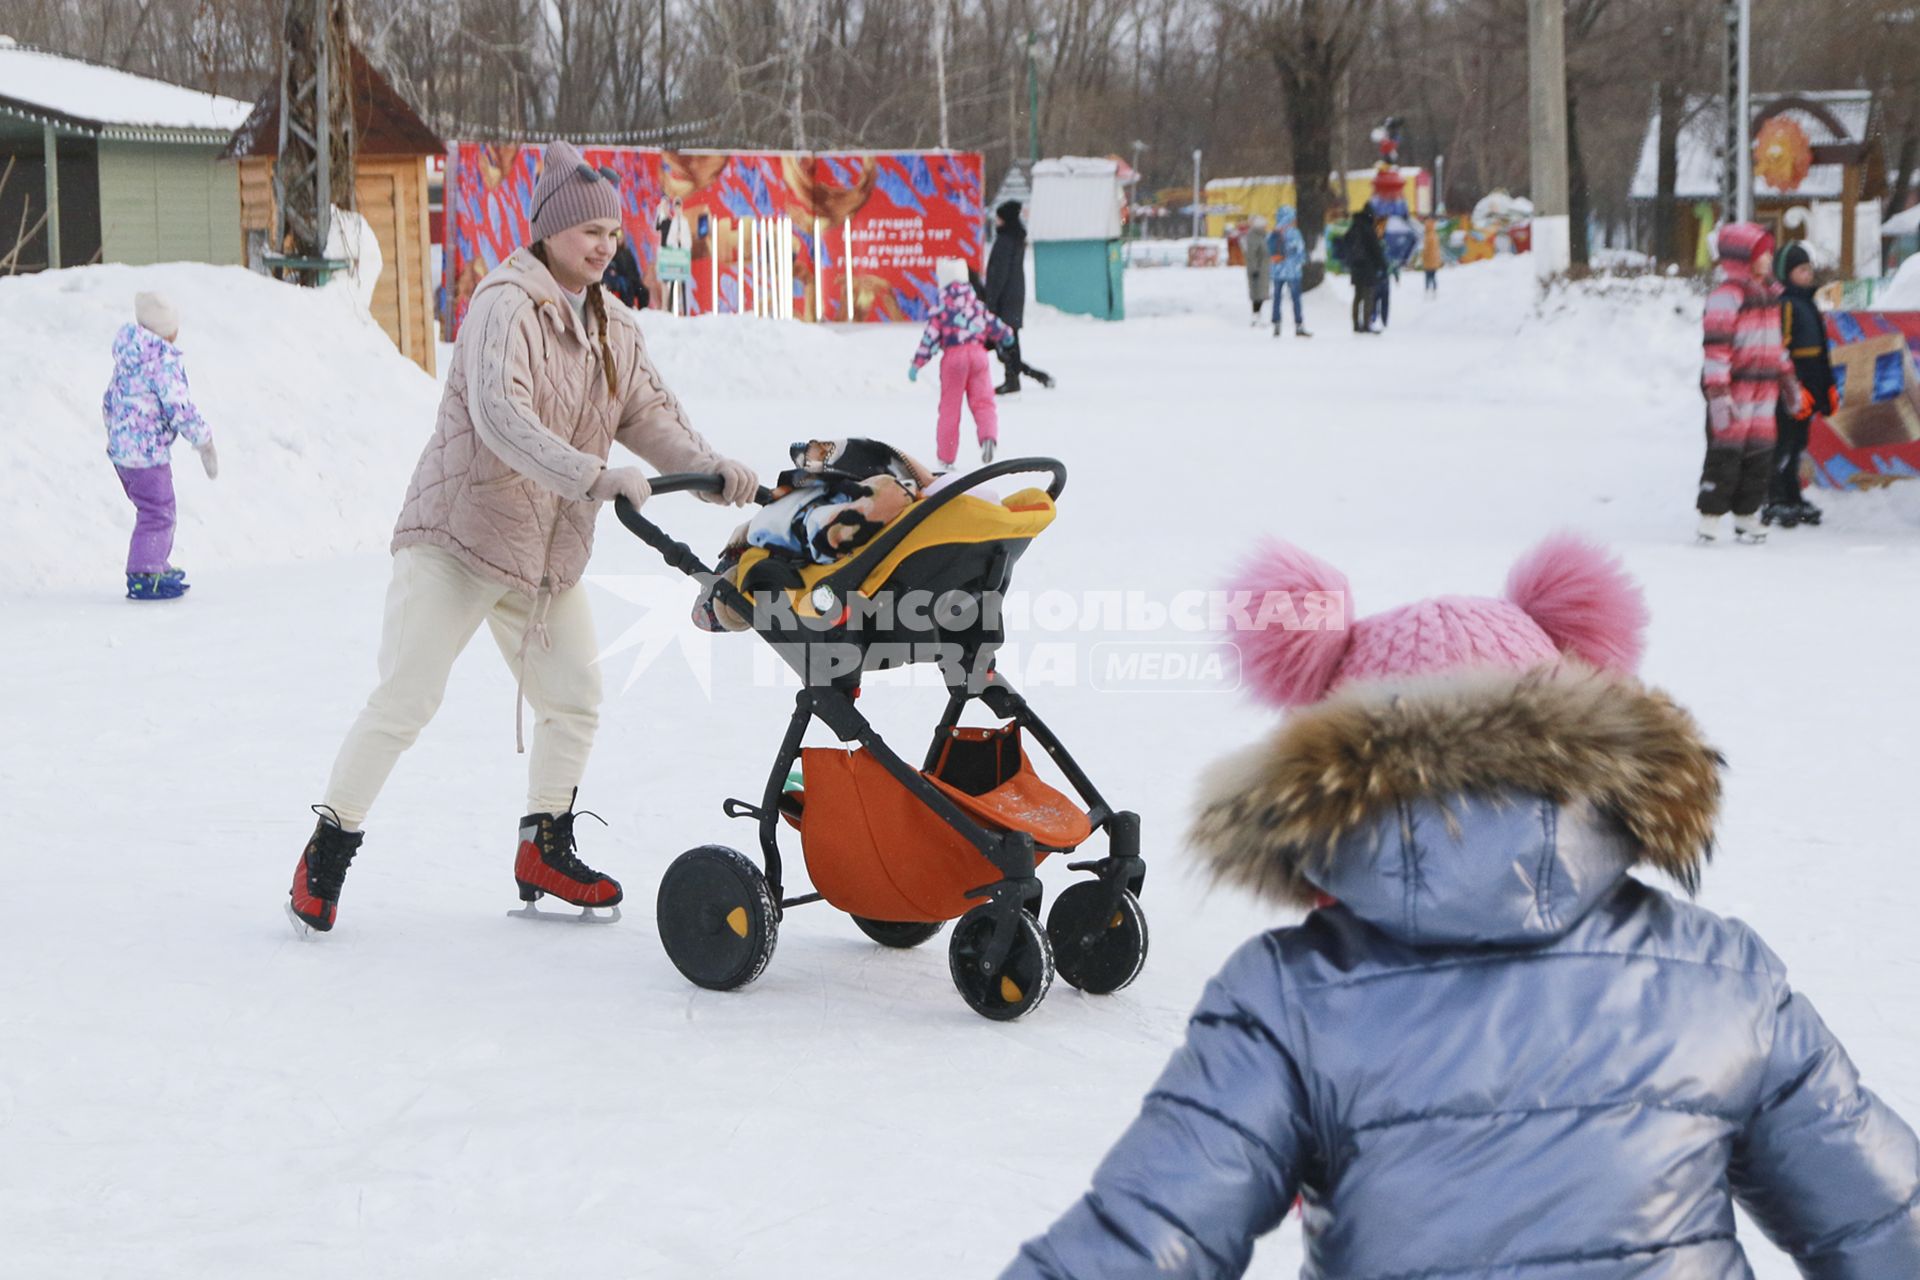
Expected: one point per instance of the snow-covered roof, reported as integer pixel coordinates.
(1697, 176)
(1075, 198)
(1077, 167)
(83, 97)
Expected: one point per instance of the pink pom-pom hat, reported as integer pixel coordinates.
(1566, 597)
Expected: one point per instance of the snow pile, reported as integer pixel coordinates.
(1641, 327)
(1904, 293)
(318, 419)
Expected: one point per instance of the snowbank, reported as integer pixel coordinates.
(1904, 293)
(317, 417)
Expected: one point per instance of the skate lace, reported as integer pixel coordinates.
(558, 850)
(329, 855)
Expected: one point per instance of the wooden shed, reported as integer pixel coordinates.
(1818, 175)
(390, 192)
(129, 165)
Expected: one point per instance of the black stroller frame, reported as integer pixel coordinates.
(1004, 922)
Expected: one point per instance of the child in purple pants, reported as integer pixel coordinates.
(956, 328)
(146, 406)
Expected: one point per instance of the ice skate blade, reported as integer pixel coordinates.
(301, 929)
(587, 915)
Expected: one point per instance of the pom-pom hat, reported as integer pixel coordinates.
(1566, 597)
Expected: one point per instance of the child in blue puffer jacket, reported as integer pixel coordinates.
(147, 405)
(1489, 1051)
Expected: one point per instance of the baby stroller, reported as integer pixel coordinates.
(904, 850)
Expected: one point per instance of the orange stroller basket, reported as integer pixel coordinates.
(904, 850)
(875, 851)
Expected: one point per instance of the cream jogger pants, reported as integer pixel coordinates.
(434, 605)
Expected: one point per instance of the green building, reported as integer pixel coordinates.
(1074, 224)
(129, 167)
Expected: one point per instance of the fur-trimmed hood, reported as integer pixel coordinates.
(1492, 807)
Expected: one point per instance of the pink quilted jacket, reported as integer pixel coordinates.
(525, 427)
(1745, 355)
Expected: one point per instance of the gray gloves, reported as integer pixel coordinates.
(209, 459)
(615, 482)
(1719, 414)
(741, 483)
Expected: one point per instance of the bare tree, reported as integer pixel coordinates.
(1312, 44)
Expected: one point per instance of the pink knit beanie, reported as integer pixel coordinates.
(570, 192)
(1565, 597)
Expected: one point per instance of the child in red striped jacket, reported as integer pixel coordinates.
(1746, 375)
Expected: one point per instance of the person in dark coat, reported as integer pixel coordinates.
(1805, 332)
(1367, 265)
(624, 279)
(1491, 1051)
(1006, 294)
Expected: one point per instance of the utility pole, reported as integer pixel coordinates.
(940, 63)
(1547, 129)
(315, 168)
(1736, 180)
(1196, 193)
(1033, 104)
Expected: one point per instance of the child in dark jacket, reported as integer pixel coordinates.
(1490, 1050)
(959, 323)
(1805, 332)
(146, 408)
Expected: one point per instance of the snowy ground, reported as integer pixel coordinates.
(188, 1090)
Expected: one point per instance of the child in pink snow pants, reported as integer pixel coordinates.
(959, 323)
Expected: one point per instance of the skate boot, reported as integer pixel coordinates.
(1276, 328)
(1007, 388)
(1749, 529)
(1809, 514)
(155, 586)
(987, 450)
(1784, 514)
(547, 863)
(1300, 331)
(1709, 530)
(317, 877)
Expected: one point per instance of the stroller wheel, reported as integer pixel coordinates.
(1098, 955)
(716, 918)
(902, 934)
(1023, 977)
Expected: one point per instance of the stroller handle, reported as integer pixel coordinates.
(854, 571)
(700, 482)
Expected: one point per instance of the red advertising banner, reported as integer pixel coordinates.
(1874, 438)
(809, 236)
